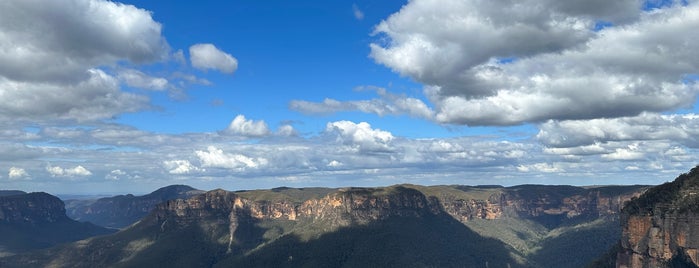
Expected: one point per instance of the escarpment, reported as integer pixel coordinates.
(441, 226)
(31, 221)
(661, 227)
(32, 208)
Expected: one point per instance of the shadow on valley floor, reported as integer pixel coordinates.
(427, 241)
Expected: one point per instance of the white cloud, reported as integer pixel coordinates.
(680, 128)
(51, 52)
(178, 57)
(360, 136)
(630, 153)
(215, 157)
(387, 104)
(138, 79)
(16, 173)
(540, 167)
(286, 130)
(179, 166)
(489, 63)
(95, 98)
(207, 56)
(250, 128)
(115, 175)
(77, 171)
(83, 34)
(358, 14)
(335, 163)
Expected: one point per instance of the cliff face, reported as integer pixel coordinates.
(362, 205)
(661, 228)
(354, 226)
(38, 220)
(123, 210)
(342, 208)
(548, 205)
(31, 208)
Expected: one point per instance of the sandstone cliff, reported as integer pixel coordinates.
(38, 220)
(31, 208)
(403, 224)
(661, 228)
(123, 210)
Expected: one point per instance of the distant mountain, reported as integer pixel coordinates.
(38, 220)
(403, 225)
(123, 210)
(661, 227)
(10, 192)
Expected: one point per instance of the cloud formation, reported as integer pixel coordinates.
(215, 157)
(679, 128)
(360, 136)
(77, 171)
(358, 14)
(250, 128)
(16, 173)
(51, 52)
(138, 79)
(387, 104)
(490, 63)
(208, 56)
(179, 166)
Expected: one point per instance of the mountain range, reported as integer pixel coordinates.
(401, 225)
(31, 221)
(123, 210)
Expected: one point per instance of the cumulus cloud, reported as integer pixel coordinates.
(207, 56)
(360, 136)
(680, 128)
(631, 152)
(250, 128)
(138, 79)
(95, 98)
(490, 63)
(16, 173)
(115, 175)
(540, 167)
(77, 171)
(179, 166)
(387, 104)
(215, 157)
(286, 130)
(51, 52)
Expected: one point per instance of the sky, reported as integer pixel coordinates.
(126, 97)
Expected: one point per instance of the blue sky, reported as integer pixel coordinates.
(115, 97)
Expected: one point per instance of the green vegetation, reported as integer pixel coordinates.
(680, 195)
(296, 195)
(395, 242)
(531, 231)
(123, 210)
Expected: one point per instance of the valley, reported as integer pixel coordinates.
(400, 225)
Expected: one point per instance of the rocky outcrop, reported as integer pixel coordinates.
(38, 220)
(661, 228)
(123, 210)
(31, 208)
(11, 192)
(549, 205)
(352, 206)
(342, 208)
(228, 227)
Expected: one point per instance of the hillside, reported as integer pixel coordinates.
(403, 225)
(661, 227)
(123, 210)
(38, 220)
